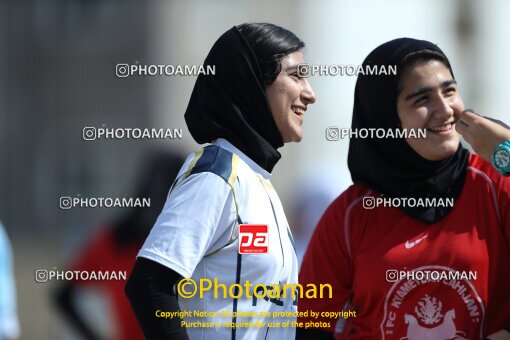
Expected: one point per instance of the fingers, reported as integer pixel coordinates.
(468, 117)
(497, 122)
(464, 121)
(481, 133)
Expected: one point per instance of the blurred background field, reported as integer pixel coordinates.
(57, 76)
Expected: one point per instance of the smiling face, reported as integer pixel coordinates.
(429, 99)
(288, 97)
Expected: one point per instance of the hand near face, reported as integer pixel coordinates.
(483, 134)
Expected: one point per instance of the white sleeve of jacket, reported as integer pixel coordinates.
(197, 213)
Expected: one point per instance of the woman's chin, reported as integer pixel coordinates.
(436, 152)
(443, 152)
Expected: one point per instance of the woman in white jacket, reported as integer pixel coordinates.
(251, 106)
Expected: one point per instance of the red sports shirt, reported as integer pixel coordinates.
(355, 249)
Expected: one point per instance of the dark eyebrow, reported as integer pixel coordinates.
(423, 90)
(291, 68)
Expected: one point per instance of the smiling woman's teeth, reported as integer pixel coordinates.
(441, 128)
(299, 111)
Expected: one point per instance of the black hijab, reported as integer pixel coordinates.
(390, 166)
(232, 103)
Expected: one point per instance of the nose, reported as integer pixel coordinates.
(444, 107)
(307, 94)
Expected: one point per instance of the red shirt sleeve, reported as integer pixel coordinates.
(328, 260)
(502, 191)
(502, 185)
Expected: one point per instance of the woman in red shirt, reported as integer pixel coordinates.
(404, 260)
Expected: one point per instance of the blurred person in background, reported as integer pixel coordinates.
(363, 250)
(9, 324)
(254, 104)
(113, 248)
